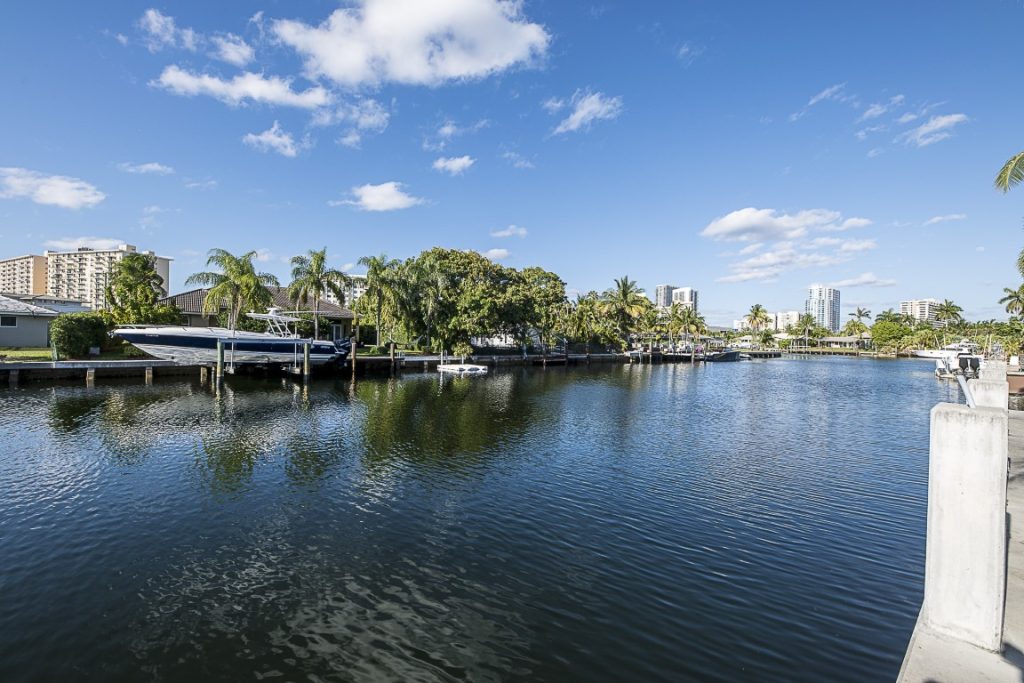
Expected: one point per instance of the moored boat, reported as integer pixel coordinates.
(723, 356)
(948, 351)
(198, 345)
(462, 368)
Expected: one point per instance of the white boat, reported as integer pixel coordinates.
(462, 368)
(199, 344)
(948, 351)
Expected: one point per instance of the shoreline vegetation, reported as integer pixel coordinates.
(462, 303)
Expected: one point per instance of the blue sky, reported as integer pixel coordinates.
(748, 149)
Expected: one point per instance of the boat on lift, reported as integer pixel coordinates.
(462, 369)
(279, 344)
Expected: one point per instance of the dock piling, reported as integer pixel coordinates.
(305, 362)
(90, 378)
(12, 378)
(149, 376)
(220, 360)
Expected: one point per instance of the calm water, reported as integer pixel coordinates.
(746, 521)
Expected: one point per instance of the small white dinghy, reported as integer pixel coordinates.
(462, 368)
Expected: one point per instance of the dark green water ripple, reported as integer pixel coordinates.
(750, 521)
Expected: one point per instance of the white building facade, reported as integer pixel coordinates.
(686, 296)
(784, 319)
(823, 304)
(920, 309)
(353, 292)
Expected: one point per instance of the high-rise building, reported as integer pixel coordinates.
(663, 295)
(23, 275)
(83, 274)
(823, 303)
(920, 309)
(686, 296)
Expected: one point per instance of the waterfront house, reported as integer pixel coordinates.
(58, 304)
(191, 303)
(23, 324)
(858, 341)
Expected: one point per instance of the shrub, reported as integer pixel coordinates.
(72, 334)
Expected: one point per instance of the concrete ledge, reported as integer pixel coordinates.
(990, 393)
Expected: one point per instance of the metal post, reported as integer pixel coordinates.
(90, 377)
(149, 376)
(12, 378)
(305, 361)
(220, 360)
(203, 373)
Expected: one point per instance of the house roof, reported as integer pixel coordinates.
(191, 303)
(9, 306)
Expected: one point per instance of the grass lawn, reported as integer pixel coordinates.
(43, 355)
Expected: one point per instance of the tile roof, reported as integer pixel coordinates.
(10, 306)
(191, 303)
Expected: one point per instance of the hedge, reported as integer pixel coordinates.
(72, 334)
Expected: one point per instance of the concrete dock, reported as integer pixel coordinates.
(936, 658)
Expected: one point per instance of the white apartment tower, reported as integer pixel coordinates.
(663, 295)
(23, 275)
(687, 297)
(823, 303)
(355, 289)
(920, 309)
(84, 273)
(784, 319)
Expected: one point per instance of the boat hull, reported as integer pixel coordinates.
(723, 357)
(248, 348)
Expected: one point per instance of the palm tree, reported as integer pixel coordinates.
(379, 281)
(757, 318)
(237, 286)
(624, 303)
(948, 312)
(860, 314)
(311, 277)
(1014, 300)
(806, 323)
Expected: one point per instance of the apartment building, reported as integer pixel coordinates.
(84, 274)
(23, 275)
(823, 303)
(920, 309)
(686, 296)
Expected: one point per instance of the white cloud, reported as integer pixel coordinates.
(833, 92)
(246, 86)
(54, 190)
(818, 242)
(877, 109)
(264, 255)
(517, 160)
(979, 249)
(752, 224)
(936, 129)
(588, 107)
(161, 31)
(688, 52)
(948, 217)
(121, 38)
(453, 165)
(450, 130)
(233, 49)
(153, 209)
(864, 280)
(412, 42)
(858, 245)
(751, 248)
(150, 167)
(200, 183)
(351, 139)
(783, 256)
(496, 254)
(72, 243)
(874, 152)
(274, 138)
(553, 105)
(365, 114)
(387, 196)
(510, 231)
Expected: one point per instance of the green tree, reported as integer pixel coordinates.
(860, 314)
(133, 292)
(805, 323)
(1013, 300)
(313, 278)
(380, 286)
(1011, 173)
(624, 304)
(237, 286)
(757, 318)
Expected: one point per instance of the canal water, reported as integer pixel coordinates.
(756, 521)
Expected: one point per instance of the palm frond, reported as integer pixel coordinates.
(1011, 174)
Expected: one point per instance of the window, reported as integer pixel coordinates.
(8, 321)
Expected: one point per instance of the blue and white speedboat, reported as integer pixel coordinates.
(199, 344)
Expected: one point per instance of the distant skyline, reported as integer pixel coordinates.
(744, 149)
